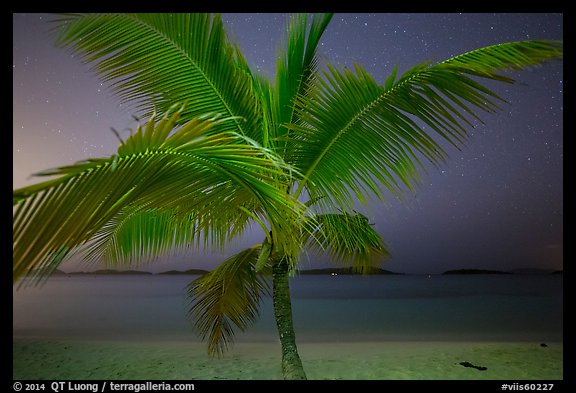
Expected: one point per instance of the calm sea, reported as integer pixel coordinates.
(326, 308)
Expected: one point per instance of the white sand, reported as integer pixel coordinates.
(107, 360)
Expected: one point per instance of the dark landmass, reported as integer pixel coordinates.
(189, 271)
(133, 272)
(329, 271)
(534, 271)
(524, 271)
(112, 271)
(475, 271)
(56, 272)
(345, 270)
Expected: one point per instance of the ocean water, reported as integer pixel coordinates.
(326, 308)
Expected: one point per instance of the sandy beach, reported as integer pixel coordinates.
(54, 359)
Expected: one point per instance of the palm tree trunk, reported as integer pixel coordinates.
(291, 363)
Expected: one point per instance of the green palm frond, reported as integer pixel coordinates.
(268, 101)
(136, 236)
(484, 62)
(228, 296)
(347, 239)
(194, 172)
(296, 68)
(155, 60)
(356, 135)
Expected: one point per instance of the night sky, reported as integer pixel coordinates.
(497, 204)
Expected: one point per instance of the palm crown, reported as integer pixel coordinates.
(294, 155)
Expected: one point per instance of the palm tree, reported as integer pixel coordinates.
(232, 149)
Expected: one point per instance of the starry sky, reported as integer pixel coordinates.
(496, 204)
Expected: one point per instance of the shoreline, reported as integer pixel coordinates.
(76, 359)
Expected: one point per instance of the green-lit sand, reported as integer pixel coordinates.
(64, 359)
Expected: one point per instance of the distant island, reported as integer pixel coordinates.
(131, 272)
(475, 271)
(526, 271)
(345, 270)
(536, 271)
(111, 271)
(189, 271)
(325, 271)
